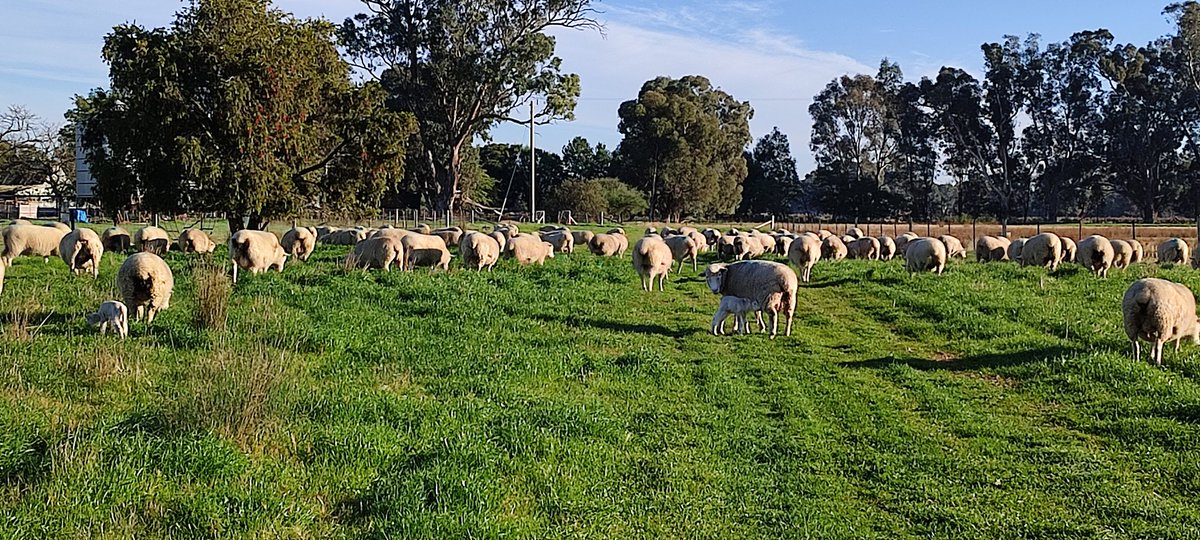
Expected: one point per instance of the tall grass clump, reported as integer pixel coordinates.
(213, 289)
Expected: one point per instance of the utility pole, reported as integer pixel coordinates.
(532, 169)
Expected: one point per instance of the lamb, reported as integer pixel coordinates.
(1173, 251)
(479, 250)
(145, 282)
(954, 247)
(771, 285)
(652, 259)
(528, 249)
(1014, 249)
(562, 241)
(151, 239)
(925, 254)
(866, 247)
(377, 252)
(256, 251)
(112, 314)
(1122, 254)
(1159, 311)
(115, 239)
(449, 235)
(1069, 249)
(1096, 254)
(1043, 249)
(682, 247)
(82, 250)
(425, 250)
(195, 241)
(887, 248)
(991, 248)
(738, 307)
(582, 238)
(299, 242)
(833, 248)
(605, 245)
(804, 252)
(33, 240)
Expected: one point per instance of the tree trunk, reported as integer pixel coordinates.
(235, 222)
(446, 175)
(256, 222)
(1147, 214)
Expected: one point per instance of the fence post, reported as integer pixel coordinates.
(1134, 226)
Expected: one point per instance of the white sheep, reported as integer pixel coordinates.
(925, 254)
(422, 228)
(377, 252)
(449, 235)
(683, 247)
(866, 247)
(146, 283)
(903, 240)
(255, 251)
(82, 250)
(562, 240)
(115, 239)
(34, 240)
(1138, 252)
(833, 249)
(1014, 249)
(479, 250)
(1174, 251)
(769, 284)
(195, 241)
(607, 245)
(954, 247)
(738, 307)
(1044, 249)
(425, 250)
(1069, 249)
(299, 242)
(1096, 254)
(854, 233)
(528, 249)
(804, 252)
(1122, 254)
(502, 239)
(887, 248)
(991, 248)
(652, 259)
(59, 225)
(582, 238)
(152, 239)
(1159, 311)
(110, 314)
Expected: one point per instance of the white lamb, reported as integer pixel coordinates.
(738, 307)
(111, 314)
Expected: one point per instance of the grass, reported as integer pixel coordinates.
(562, 401)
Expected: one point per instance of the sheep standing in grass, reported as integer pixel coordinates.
(711, 236)
(746, 246)
(1069, 249)
(771, 285)
(299, 242)
(1138, 252)
(82, 250)
(115, 240)
(855, 233)
(425, 250)
(1159, 311)
(738, 307)
(1174, 251)
(527, 249)
(699, 239)
(954, 247)
(651, 260)
(1122, 254)
(582, 238)
(146, 283)
(1014, 249)
(725, 246)
(502, 238)
(605, 245)
(377, 252)
(422, 228)
(887, 248)
(866, 247)
(255, 251)
(152, 239)
(991, 248)
(783, 242)
(1096, 254)
(902, 242)
(833, 249)
(111, 314)
(195, 241)
(449, 235)
(1043, 249)
(804, 252)
(683, 247)
(925, 254)
(60, 226)
(33, 240)
(479, 250)
(563, 241)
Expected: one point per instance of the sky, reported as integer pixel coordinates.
(776, 54)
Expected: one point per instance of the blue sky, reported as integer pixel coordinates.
(775, 53)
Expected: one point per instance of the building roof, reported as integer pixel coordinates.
(31, 190)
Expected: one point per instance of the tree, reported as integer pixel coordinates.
(33, 152)
(242, 109)
(772, 183)
(581, 161)
(461, 67)
(508, 164)
(683, 142)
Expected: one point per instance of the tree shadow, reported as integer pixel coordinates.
(967, 363)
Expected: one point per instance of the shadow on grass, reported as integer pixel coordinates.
(996, 360)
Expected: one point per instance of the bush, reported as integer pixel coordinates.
(212, 295)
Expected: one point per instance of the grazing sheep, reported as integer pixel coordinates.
(866, 247)
(345, 237)
(783, 242)
(552, 228)
(479, 250)
(683, 247)
(1174, 251)
(20, 222)
(151, 239)
(925, 254)
(425, 250)
(887, 248)
(82, 250)
(854, 233)
(1043, 249)
(1122, 254)
(528, 249)
(1096, 254)
(954, 247)
(1138, 252)
(299, 242)
(512, 228)
(769, 284)
(765, 241)
(738, 307)
(115, 239)
(1014, 249)
(422, 228)
(725, 246)
(605, 245)
(145, 282)
(711, 235)
(502, 239)
(746, 246)
(804, 252)
(562, 241)
(1159, 311)
(832, 248)
(582, 238)
(903, 240)
(324, 230)
(450, 235)
(699, 239)
(652, 259)
(33, 240)
(991, 248)
(823, 234)
(195, 241)
(377, 252)
(112, 314)
(60, 226)
(1069, 249)
(256, 251)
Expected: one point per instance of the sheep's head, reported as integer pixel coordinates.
(714, 275)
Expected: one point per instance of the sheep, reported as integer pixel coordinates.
(422, 228)
(866, 247)
(112, 314)
(256, 251)
(683, 247)
(954, 247)
(1069, 249)
(33, 240)
(854, 233)
(2, 267)
(511, 228)
(925, 254)
(747, 246)
(624, 240)
(823, 234)
(765, 240)
(652, 259)
(605, 245)
(991, 248)
(449, 235)
(60, 226)
(425, 250)
(782, 243)
(769, 284)
(1122, 254)
(145, 282)
(324, 230)
(502, 238)
(847, 239)
(562, 241)
(1096, 254)
(552, 228)
(650, 231)
(738, 307)
(711, 235)
(1159, 311)
(699, 239)
(344, 237)
(804, 252)
(82, 250)
(833, 248)
(195, 241)
(1138, 252)
(1043, 249)
(20, 222)
(479, 250)
(115, 239)
(582, 238)
(528, 249)
(1173, 251)
(1014, 249)
(152, 239)
(725, 246)
(903, 240)
(887, 248)
(377, 252)
(299, 242)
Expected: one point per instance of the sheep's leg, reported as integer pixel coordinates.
(758, 318)
(693, 262)
(1137, 350)
(1158, 351)
(123, 327)
(774, 322)
(235, 272)
(150, 315)
(788, 332)
(103, 327)
(718, 323)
